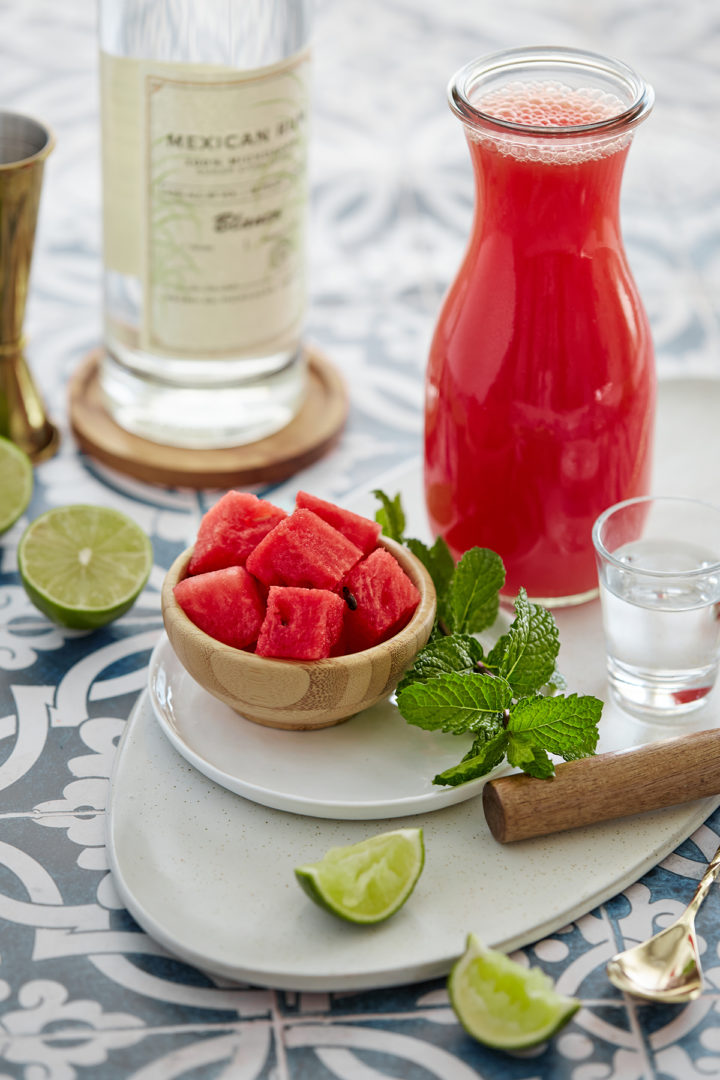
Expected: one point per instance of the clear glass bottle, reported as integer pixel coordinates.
(540, 388)
(204, 112)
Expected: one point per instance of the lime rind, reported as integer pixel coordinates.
(501, 1003)
(16, 483)
(367, 882)
(84, 566)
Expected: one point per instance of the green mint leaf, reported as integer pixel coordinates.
(566, 726)
(448, 688)
(484, 756)
(523, 753)
(459, 652)
(438, 562)
(390, 516)
(556, 682)
(456, 703)
(473, 600)
(526, 654)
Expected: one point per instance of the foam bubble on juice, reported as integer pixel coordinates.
(550, 105)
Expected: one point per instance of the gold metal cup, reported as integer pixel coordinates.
(24, 146)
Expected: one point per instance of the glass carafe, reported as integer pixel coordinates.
(540, 391)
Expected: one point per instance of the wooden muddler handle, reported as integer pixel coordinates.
(606, 786)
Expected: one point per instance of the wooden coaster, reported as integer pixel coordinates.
(311, 434)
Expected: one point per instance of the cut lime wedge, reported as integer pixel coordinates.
(16, 483)
(84, 566)
(502, 1004)
(369, 881)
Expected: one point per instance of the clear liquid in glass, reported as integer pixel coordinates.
(662, 633)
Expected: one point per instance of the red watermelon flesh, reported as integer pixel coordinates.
(385, 598)
(231, 529)
(225, 603)
(360, 530)
(300, 624)
(303, 551)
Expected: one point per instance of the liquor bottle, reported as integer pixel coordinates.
(204, 115)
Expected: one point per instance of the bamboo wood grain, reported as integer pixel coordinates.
(604, 787)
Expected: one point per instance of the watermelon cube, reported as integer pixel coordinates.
(303, 551)
(360, 530)
(384, 596)
(300, 624)
(231, 529)
(225, 603)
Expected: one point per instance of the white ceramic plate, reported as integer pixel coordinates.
(375, 765)
(210, 875)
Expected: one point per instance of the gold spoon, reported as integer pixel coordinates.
(666, 968)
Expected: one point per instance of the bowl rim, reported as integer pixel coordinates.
(424, 612)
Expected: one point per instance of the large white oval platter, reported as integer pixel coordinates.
(210, 874)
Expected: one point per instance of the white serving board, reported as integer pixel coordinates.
(209, 874)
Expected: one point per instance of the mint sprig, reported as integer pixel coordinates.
(508, 699)
(482, 758)
(563, 725)
(390, 516)
(459, 653)
(437, 560)
(474, 591)
(454, 702)
(526, 654)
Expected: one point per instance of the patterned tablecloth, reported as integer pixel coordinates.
(83, 992)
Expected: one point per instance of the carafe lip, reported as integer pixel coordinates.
(526, 63)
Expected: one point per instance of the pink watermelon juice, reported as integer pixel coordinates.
(540, 384)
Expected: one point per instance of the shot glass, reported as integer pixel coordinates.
(658, 564)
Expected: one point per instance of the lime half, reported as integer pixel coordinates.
(16, 483)
(84, 566)
(502, 1004)
(366, 882)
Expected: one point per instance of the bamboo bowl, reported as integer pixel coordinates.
(299, 695)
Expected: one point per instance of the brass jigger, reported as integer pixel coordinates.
(24, 146)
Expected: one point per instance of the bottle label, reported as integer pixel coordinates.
(223, 159)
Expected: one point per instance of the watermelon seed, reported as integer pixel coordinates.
(349, 598)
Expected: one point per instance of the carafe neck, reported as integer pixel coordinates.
(545, 204)
(549, 130)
